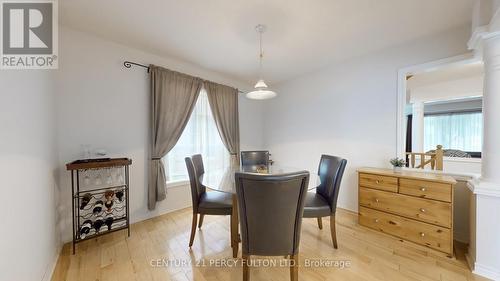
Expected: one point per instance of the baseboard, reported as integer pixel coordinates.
(49, 271)
(354, 212)
(487, 271)
(165, 212)
(469, 260)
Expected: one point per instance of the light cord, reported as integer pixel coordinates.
(261, 56)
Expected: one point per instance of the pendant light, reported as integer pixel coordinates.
(261, 91)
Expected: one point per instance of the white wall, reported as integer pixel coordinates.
(446, 90)
(28, 239)
(461, 210)
(103, 104)
(349, 109)
(252, 119)
(483, 12)
(462, 165)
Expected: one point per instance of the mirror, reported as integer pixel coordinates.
(443, 114)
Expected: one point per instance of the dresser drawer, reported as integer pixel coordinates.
(379, 182)
(426, 189)
(429, 235)
(425, 210)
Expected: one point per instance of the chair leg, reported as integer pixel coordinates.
(201, 220)
(231, 230)
(246, 271)
(193, 229)
(333, 231)
(294, 267)
(234, 227)
(320, 223)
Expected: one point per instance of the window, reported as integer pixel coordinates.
(462, 131)
(200, 136)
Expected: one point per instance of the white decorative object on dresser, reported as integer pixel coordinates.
(415, 206)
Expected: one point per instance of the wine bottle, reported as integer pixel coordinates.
(85, 229)
(85, 200)
(109, 199)
(98, 223)
(97, 207)
(119, 195)
(108, 205)
(109, 222)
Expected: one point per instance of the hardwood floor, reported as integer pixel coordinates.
(153, 243)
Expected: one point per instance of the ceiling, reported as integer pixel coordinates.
(302, 35)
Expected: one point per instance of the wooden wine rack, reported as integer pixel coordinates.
(91, 181)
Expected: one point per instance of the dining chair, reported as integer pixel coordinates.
(323, 202)
(270, 208)
(204, 203)
(255, 158)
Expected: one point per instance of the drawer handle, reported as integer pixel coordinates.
(423, 189)
(376, 200)
(422, 234)
(376, 220)
(378, 181)
(422, 210)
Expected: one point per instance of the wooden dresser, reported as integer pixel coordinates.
(415, 206)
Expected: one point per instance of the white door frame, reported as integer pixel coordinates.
(415, 69)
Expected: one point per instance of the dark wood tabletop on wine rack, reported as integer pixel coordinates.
(98, 163)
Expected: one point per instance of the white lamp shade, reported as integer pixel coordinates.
(261, 94)
(260, 84)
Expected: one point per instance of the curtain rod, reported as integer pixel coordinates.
(128, 64)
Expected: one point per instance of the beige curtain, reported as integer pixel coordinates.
(224, 105)
(173, 96)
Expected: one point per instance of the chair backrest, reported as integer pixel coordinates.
(254, 158)
(196, 190)
(200, 170)
(271, 209)
(331, 169)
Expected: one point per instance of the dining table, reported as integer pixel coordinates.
(223, 180)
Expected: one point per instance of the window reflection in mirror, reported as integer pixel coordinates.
(444, 107)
